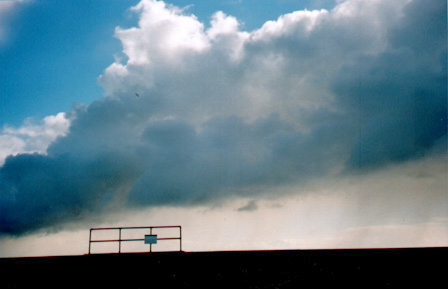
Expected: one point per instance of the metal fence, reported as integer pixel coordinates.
(148, 239)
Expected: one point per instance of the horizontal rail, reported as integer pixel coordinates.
(128, 240)
(117, 240)
(125, 228)
(168, 238)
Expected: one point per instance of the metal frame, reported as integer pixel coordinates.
(119, 240)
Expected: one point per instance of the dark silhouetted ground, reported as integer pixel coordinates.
(361, 268)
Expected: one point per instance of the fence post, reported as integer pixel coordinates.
(150, 245)
(180, 238)
(90, 239)
(119, 240)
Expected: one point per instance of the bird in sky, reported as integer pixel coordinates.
(137, 94)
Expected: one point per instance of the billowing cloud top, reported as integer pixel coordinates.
(194, 115)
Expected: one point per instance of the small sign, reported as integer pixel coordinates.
(150, 239)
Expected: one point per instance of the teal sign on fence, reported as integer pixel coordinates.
(150, 239)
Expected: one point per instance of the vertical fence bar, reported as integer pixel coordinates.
(119, 240)
(90, 239)
(150, 245)
(180, 238)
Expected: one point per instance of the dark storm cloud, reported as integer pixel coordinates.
(172, 164)
(309, 96)
(398, 98)
(227, 156)
(39, 191)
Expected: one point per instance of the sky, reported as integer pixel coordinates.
(256, 125)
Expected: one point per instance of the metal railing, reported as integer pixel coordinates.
(120, 239)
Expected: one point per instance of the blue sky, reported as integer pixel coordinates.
(54, 53)
(331, 114)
